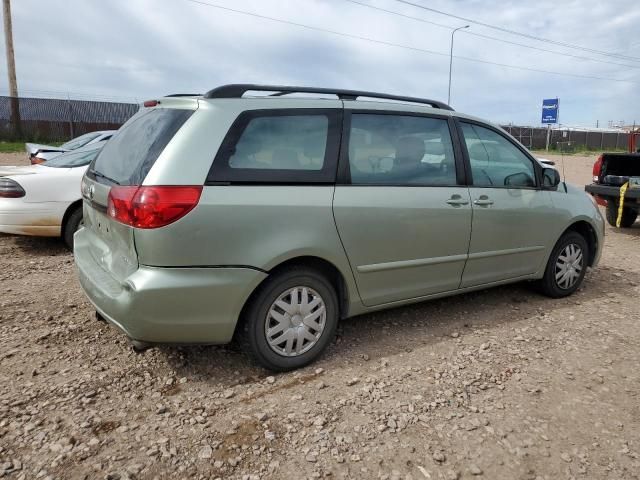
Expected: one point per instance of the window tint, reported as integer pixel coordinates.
(400, 150)
(495, 161)
(282, 143)
(129, 155)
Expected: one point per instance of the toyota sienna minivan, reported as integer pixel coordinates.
(269, 213)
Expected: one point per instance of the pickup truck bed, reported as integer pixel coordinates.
(616, 166)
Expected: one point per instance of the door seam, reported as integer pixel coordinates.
(335, 223)
(464, 268)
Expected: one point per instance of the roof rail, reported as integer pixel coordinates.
(183, 95)
(239, 89)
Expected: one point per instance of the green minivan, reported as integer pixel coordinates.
(268, 213)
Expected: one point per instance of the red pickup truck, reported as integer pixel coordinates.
(610, 172)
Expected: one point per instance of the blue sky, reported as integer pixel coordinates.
(137, 49)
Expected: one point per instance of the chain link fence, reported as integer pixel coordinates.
(569, 140)
(55, 120)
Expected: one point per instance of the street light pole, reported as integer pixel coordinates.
(451, 61)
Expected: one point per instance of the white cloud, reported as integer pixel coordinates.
(138, 49)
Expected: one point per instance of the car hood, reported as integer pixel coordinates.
(21, 170)
(33, 148)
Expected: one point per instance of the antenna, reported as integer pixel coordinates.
(564, 176)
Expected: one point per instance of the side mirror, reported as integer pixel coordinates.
(520, 179)
(550, 178)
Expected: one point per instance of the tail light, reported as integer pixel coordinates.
(597, 169)
(10, 189)
(37, 160)
(151, 207)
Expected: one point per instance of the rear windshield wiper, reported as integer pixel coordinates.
(103, 176)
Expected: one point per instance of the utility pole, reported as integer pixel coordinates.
(451, 61)
(548, 136)
(11, 69)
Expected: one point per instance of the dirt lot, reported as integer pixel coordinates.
(499, 384)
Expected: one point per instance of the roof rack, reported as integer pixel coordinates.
(239, 89)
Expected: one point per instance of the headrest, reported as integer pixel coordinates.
(434, 148)
(410, 148)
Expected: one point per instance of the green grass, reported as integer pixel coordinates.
(11, 147)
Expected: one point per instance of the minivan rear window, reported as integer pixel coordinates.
(127, 158)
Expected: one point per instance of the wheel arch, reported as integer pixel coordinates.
(70, 209)
(587, 231)
(327, 268)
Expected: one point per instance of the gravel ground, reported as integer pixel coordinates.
(499, 384)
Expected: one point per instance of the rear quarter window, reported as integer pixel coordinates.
(129, 155)
(279, 146)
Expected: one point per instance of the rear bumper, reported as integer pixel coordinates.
(24, 218)
(612, 191)
(167, 305)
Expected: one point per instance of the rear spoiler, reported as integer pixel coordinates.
(34, 148)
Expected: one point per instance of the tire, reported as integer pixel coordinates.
(628, 215)
(555, 285)
(262, 313)
(71, 226)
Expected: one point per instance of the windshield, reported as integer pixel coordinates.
(73, 159)
(80, 141)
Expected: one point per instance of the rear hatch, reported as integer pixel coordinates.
(122, 166)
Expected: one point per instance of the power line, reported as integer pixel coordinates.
(468, 32)
(526, 35)
(397, 45)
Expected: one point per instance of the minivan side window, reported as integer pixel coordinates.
(387, 149)
(279, 146)
(495, 161)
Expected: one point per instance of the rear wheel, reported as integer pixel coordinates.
(566, 267)
(290, 320)
(628, 215)
(71, 226)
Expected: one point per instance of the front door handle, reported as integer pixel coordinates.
(483, 201)
(457, 201)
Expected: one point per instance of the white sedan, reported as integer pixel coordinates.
(45, 200)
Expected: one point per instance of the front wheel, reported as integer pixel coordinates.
(290, 320)
(566, 267)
